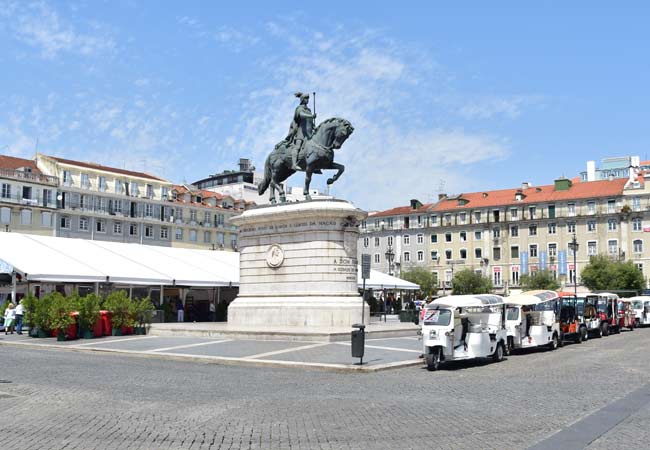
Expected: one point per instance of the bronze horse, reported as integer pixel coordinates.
(317, 154)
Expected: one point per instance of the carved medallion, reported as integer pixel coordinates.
(274, 256)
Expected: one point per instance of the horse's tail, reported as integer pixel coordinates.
(264, 184)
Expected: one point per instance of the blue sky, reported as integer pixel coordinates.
(460, 97)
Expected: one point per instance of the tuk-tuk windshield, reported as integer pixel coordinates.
(599, 302)
(637, 304)
(544, 306)
(512, 313)
(621, 306)
(439, 317)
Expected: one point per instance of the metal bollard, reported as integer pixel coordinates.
(358, 341)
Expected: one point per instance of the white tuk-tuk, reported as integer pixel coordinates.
(533, 320)
(641, 305)
(460, 327)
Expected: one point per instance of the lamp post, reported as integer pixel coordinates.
(573, 245)
(390, 256)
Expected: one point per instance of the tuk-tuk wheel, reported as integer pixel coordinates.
(554, 342)
(433, 360)
(499, 352)
(604, 331)
(560, 342)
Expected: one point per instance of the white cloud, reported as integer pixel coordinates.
(492, 106)
(229, 37)
(40, 26)
(397, 150)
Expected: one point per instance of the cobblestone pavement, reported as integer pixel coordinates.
(71, 400)
(380, 353)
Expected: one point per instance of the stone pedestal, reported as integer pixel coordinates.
(298, 265)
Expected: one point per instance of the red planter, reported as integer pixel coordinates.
(127, 330)
(71, 332)
(105, 319)
(97, 328)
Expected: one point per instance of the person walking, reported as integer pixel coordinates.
(180, 311)
(10, 316)
(20, 311)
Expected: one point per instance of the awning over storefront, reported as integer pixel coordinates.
(65, 260)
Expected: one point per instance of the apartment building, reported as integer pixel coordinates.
(201, 218)
(400, 232)
(27, 197)
(110, 204)
(508, 233)
(67, 198)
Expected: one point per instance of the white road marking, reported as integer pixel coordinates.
(286, 350)
(188, 345)
(97, 341)
(384, 348)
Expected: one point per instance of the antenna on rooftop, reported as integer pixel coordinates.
(441, 186)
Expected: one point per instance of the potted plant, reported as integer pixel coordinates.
(121, 310)
(29, 303)
(40, 315)
(88, 309)
(143, 311)
(59, 316)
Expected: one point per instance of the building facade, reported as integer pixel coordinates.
(75, 199)
(27, 197)
(508, 233)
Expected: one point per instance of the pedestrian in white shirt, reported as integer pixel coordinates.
(20, 311)
(10, 316)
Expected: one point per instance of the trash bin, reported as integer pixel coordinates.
(358, 338)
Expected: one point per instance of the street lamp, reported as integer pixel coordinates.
(390, 256)
(573, 245)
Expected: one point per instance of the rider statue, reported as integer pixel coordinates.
(301, 128)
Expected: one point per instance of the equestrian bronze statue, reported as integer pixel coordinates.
(306, 149)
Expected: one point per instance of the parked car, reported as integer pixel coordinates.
(463, 327)
(601, 314)
(533, 320)
(572, 323)
(626, 315)
(641, 306)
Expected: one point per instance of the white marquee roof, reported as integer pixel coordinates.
(52, 259)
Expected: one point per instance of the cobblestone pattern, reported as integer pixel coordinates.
(85, 401)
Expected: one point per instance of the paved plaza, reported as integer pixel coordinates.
(594, 395)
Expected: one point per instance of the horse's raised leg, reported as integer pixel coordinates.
(337, 175)
(308, 172)
(272, 192)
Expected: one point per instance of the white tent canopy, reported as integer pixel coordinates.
(65, 260)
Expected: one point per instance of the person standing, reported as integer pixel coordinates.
(213, 311)
(180, 311)
(20, 311)
(10, 316)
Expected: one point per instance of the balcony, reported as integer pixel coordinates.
(29, 176)
(34, 201)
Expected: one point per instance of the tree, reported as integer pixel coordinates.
(427, 280)
(542, 279)
(602, 274)
(467, 281)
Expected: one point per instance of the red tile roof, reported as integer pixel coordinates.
(539, 194)
(402, 211)
(106, 168)
(13, 163)
(181, 190)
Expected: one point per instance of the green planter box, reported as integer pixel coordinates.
(60, 337)
(42, 334)
(87, 334)
(117, 332)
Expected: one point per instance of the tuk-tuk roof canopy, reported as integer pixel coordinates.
(468, 301)
(641, 298)
(532, 297)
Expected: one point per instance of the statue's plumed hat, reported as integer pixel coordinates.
(300, 95)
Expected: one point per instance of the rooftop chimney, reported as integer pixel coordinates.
(525, 185)
(415, 203)
(591, 170)
(442, 196)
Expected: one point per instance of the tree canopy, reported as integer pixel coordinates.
(428, 281)
(467, 281)
(602, 274)
(542, 279)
